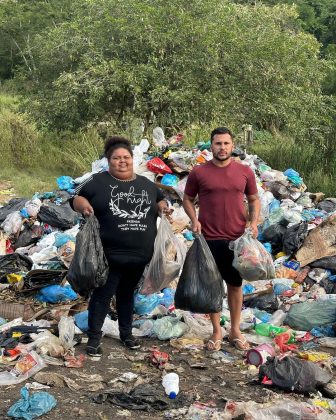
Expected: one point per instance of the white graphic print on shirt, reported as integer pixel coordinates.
(131, 206)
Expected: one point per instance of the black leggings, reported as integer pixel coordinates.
(121, 282)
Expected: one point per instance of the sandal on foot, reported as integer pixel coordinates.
(214, 345)
(239, 344)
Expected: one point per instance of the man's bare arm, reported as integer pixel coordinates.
(189, 208)
(254, 211)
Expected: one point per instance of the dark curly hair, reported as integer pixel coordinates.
(220, 130)
(116, 142)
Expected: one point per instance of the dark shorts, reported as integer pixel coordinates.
(224, 257)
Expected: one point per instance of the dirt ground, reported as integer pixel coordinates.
(208, 380)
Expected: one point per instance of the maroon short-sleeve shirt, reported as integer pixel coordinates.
(221, 193)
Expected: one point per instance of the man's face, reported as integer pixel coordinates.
(222, 147)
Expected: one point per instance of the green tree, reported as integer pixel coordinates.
(176, 62)
(20, 21)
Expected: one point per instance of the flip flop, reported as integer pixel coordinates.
(214, 345)
(239, 344)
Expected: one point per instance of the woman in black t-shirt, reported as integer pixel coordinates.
(127, 206)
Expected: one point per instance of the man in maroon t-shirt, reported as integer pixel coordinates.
(221, 186)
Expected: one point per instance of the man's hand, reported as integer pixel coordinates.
(196, 226)
(254, 230)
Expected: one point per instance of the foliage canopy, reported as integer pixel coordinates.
(181, 62)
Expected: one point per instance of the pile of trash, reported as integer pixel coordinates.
(289, 313)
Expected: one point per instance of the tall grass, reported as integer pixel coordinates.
(316, 163)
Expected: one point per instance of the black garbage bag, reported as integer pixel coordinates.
(274, 234)
(62, 216)
(14, 263)
(89, 267)
(294, 236)
(269, 302)
(13, 205)
(278, 189)
(328, 205)
(36, 279)
(329, 286)
(30, 235)
(294, 374)
(200, 288)
(239, 153)
(329, 263)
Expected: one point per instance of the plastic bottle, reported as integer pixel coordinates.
(170, 383)
(267, 329)
(278, 318)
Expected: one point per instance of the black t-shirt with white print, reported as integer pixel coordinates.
(127, 213)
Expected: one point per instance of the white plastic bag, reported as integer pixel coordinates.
(167, 260)
(49, 344)
(33, 206)
(66, 332)
(251, 259)
(13, 223)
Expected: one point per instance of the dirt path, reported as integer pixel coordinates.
(211, 381)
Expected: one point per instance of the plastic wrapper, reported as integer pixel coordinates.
(25, 367)
(200, 287)
(89, 266)
(251, 259)
(168, 257)
(31, 406)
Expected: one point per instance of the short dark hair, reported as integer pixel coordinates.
(220, 130)
(117, 142)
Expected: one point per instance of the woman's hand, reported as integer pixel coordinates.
(165, 210)
(83, 206)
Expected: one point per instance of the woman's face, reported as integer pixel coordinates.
(121, 162)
